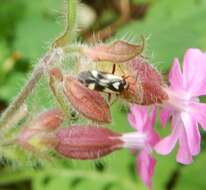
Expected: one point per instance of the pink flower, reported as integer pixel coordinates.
(184, 108)
(140, 120)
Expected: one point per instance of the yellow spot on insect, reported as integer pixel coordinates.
(91, 86)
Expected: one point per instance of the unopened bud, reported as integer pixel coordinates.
(117, 52)
(34, 139)
(153, 93)
(89, 103)
(50, 119)
(56, 73)
(140, 68)
(149, 79)
(40, 131)
(93, 142)
(87, 142)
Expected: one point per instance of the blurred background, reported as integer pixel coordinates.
(26, 30)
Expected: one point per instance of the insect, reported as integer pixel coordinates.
(126, 87)
(103, 82)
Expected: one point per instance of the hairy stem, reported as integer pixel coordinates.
(16, 117)
(69, 32)
(27, 89)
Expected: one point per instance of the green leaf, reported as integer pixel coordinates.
(9, 17)
(38, 28)
(192, 176)
(11, 86)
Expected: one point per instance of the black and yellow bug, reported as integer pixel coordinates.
(103, 82)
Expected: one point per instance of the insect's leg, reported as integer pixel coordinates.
(109, 97)
(114, 101)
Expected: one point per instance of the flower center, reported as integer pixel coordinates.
(180, 101)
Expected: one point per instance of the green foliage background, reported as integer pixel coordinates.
(27, 28)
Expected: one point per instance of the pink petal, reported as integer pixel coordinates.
(132, 120)
(153, 137)
(140, 115)
(166, 145)
(141, 121)
(145, 167)
(190, 62)
(150, 119)
(198, 111)
(175, 76)
(184, 155)
(153, 115)
(192, 133)
(194, 69)
(164, 116)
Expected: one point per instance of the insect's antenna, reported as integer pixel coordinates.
(113, 68)
(113, 71)
(112, 102)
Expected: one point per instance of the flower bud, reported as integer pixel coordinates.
(153, 93)
(149, 79)
(89, 103)
(49, 120)
(143, 70)
(56, 73)
(40, 130)
(87, 142)
(93, 142)
(117, 52)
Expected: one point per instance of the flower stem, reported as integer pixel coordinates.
(27, 89)
(69, 32)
